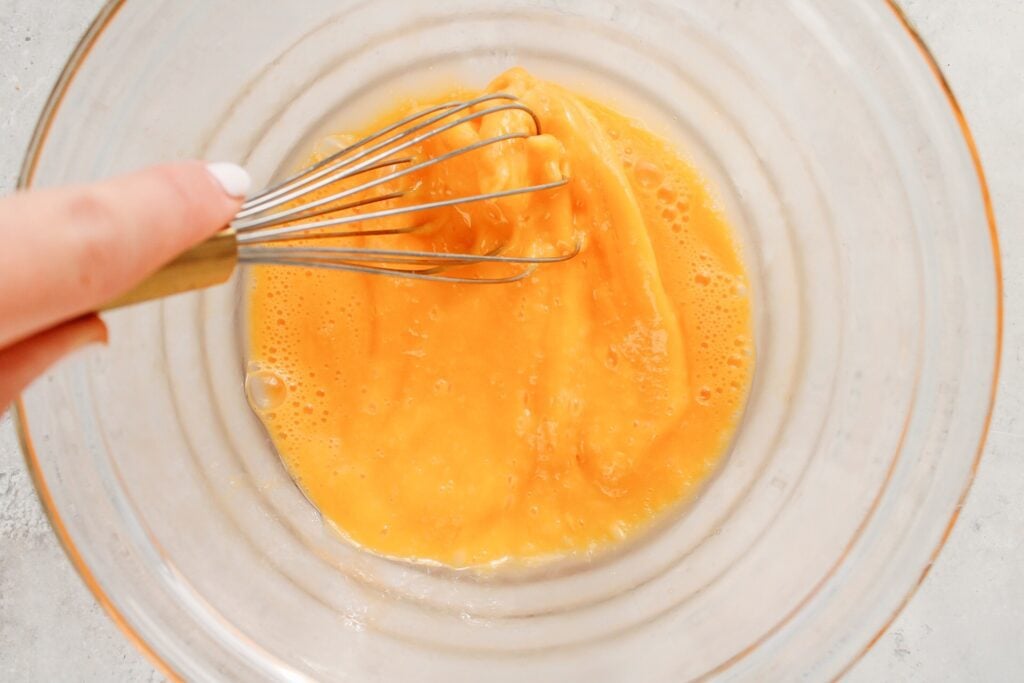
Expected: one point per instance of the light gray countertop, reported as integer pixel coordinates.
(963, 624)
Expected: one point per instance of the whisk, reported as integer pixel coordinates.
(318, 204)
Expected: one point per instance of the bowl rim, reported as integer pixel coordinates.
(25, 180)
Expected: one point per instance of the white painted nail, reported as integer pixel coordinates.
(233, 178)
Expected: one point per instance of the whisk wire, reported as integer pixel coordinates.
(404, 256)
(269, 221)
(315, 171)
(296, 230)
(339, 234)
(373, 163)
(431, 275)
(313, 178)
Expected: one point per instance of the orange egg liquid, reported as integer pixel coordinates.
(549, 417)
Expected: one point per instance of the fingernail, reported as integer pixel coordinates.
(100, 336)
(91, 330)
(232, 178)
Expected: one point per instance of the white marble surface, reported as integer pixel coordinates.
(963, 624)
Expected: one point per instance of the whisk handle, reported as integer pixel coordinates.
(204, 265)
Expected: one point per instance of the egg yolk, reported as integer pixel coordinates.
(552, 416)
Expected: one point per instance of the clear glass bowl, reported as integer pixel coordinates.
(836, 149)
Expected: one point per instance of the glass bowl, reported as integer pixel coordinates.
(837, 151)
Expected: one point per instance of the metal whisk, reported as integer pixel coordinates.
(288, 212)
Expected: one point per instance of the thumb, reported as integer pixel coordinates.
(70, 249)
(22, 362)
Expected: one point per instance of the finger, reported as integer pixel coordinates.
(66, 251)
(26, 360)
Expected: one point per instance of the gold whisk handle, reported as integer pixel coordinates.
(204, 265)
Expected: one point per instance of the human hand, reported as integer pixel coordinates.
(64, 252)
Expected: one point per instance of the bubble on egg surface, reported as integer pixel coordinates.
(265, 390)
(648, 174)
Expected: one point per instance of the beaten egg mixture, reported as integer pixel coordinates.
(553, 416)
